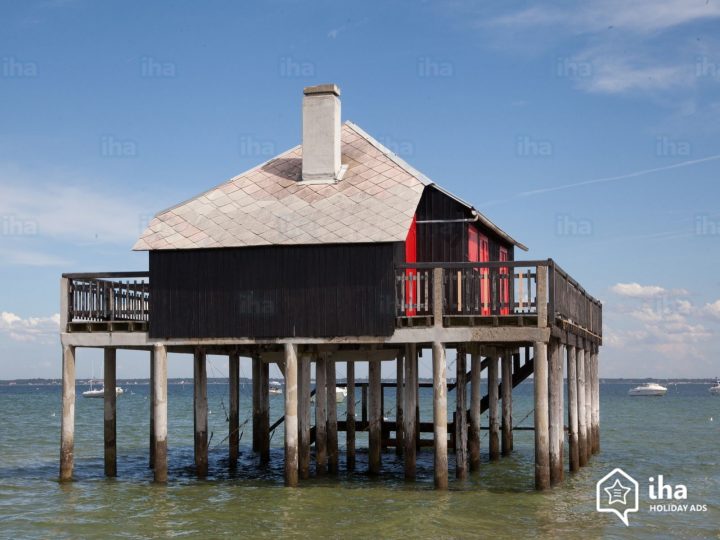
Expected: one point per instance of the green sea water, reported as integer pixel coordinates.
(677, 436)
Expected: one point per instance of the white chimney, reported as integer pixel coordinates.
(321, 134)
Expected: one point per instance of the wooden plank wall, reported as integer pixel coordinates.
(273, 291)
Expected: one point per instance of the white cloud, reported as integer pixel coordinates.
(635, 290)
(713, 310)
(31, 329)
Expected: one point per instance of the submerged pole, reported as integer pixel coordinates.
(582, 417)
(234, 415)
(375, 414)
(320, 415)
(151, 399)
(291, 416)
(572, 408)
(556, 408)
(110, 411)
(350, 432)
(440, 415)
(160, 412)
(461, 424)
(67, 429)
(201, 413)
(475, 402)
(410, 418)
(542, 433)
(493, 407)
(304, 416)
(507, 428)
(588, 403)
(399, 404)
(596, 400)
(332, 426)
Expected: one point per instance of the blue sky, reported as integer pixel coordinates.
(587, 130)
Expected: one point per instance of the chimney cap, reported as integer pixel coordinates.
(320, 89)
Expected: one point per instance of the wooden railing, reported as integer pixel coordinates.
(495, 289)
(570, 302)
(107, 297)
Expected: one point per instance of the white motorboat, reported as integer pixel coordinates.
(275, 387)
(648, 389)
(715, 389)
(99, 392)
(340, 394)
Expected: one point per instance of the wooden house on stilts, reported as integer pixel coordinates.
(339, 251)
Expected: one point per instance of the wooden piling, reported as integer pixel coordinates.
(264, 427)
(493, 407)
(256, 403)
(151, 399)
(440, 414)
(160, 413)
(542, 432)
(375, 413)
(475, 402)
(200, 419)
(409, 419)
(461, 424)
(555, 411)
(234, 414)
(595, 413)
(67, 430)
(350, 433)
(320, 415)
(304, 417)
(588, 405)
(507, 424)
(399, 404)
(582, 417)
(332, 434)
(291, 415)
(572, 392)
(110, 411)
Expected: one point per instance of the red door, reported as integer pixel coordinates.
(504, 284)
(478, 251)
(411, 273)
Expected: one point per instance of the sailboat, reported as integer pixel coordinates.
(98, 392)
(715, 389)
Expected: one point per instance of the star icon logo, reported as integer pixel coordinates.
(617, 493)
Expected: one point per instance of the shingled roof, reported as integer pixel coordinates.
(269, 205)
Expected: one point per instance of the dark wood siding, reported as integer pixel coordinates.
(274, 291)
(448, 242)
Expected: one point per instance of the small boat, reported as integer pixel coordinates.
(275, 387)
(715, 389)
(648, 389)
(340, 394)
(100, 392)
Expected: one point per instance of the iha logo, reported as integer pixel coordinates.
(619, 494)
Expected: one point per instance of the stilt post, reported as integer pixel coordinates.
(475, 402)
(320, 415)
(375, 413)
(201, 413)
(350, 433)
(572, 392)
(110, 411)
(291, 415)
(160, 413)
(440, 413)
(555, 412)
(67, 430)
(304, 416)
(399, 403)
(542, 432)
(234, 414)
(332, 434)
(409, 419)
(461, 424)
(493, 407)
(582, 416)
(507, 424)
(151, 400)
